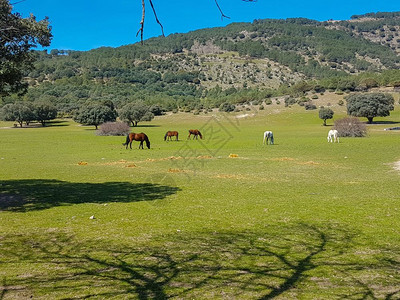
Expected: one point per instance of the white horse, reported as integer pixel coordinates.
(268, 135)
(333, 136)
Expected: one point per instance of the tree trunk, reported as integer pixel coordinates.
(370, 120)
(324, 122)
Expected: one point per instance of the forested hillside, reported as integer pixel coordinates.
(238, 63)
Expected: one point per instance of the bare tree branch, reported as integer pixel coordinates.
(142, 23)
(220, 10)
(141, 29)
(155, 15)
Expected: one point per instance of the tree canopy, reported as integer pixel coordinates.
(17, 37)
(325, 113)
(370, 105)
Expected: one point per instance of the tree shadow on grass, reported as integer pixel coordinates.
(38, 194)
(287, 261)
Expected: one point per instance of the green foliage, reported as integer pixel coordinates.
(135, 112)
(325, 113)
(17, 37)
(95, 114)
(226, 107)
(44, 111)
(19, 112)
(370, 105)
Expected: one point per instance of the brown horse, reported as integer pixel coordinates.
(168, 136)
(196, 133)
(140, 137)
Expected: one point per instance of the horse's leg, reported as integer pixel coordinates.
(141, 145)
(130, 144)
(189, 136)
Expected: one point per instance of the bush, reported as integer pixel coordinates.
(227, 107)
(114, 128)
(310, 106)
(314, 97)
(261, 107)
(289, 101)
(341, 102)
(351, 127)
(268, 102)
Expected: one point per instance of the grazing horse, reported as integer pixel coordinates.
(268, 135)
(168, 136)
(195, 132)
(333, 136)
(140, 137)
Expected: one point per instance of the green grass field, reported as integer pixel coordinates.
(302, 219)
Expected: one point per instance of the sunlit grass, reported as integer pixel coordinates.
(299, 219)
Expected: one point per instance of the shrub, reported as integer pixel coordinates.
(341, 102)
(314, 97)
(310, 106)
(289, 101)
(114, 128)
(268, 102)
(261, 107)
(227, 107)
(351, 127)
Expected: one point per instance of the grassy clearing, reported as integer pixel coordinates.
(300, 219)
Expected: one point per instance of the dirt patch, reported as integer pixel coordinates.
(310, 163)
(281, 159)
(230, 176)
(396, 165)
(175, 171)
(163, 159)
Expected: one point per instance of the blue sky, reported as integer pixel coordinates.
(88, 24)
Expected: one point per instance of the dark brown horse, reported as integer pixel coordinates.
(140, 137)
(196, 133)
(168, 136)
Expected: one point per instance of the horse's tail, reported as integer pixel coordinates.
(272, 138)
(200, 135)
(177, 135)
(147, 141)
(127, 140)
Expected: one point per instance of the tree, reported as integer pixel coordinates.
(370, 105)
(135, 113)
(17, 37)
(17, 112)
(44, 111)
(95, 114)
(325, 113)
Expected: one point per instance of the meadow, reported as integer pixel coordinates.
(225, 217)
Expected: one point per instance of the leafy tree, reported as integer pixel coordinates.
(325, 113)
(18, 112)
(135, 113)
(95, 114)
(17, 37)
(44, 111)
(370, 105)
